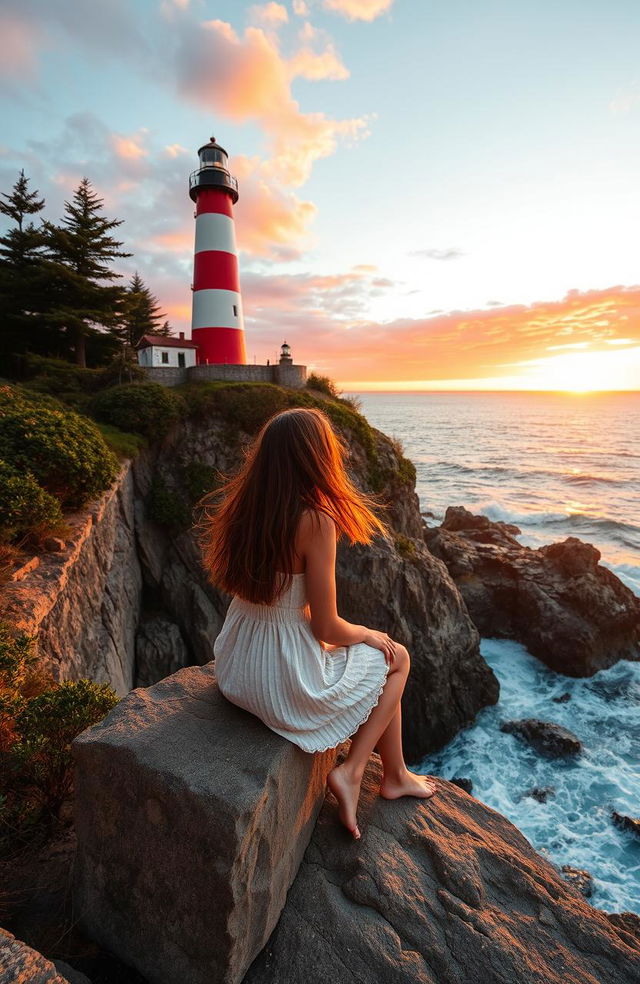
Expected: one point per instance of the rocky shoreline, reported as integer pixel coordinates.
(125, 601)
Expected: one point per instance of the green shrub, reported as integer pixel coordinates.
(144, 408)
(45, 726)
(64, 451)
(167, 508)
(26, 508)
(39, 719)
(405, 547)
(244, 407)
(323, 384)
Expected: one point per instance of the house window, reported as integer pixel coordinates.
(165, 357)
(235, 310)
(181, 359)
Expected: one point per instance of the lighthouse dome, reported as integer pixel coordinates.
(213, 171)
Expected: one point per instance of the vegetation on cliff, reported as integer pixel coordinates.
(39, 718)
(50, 458)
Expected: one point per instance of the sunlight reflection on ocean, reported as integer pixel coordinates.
(556, 465)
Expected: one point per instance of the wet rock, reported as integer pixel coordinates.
(562, 699)
(438, 892)
(191, 819)
(624, 822)
(581, 879)
(569, 611)
(549, 739)
(541, 793)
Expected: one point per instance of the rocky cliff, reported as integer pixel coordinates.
(127, 601)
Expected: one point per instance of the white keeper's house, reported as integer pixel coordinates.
(166, 351)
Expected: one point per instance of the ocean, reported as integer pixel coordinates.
(556, 465)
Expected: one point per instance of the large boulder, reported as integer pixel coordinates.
(569, 611)
(191, 819)
(438, 892)
(413, 598)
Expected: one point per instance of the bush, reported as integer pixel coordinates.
(142, 408)
(323, 384)
(39, 719)
(45, 727)
(26, 508)
(65, 452)
(242, 406)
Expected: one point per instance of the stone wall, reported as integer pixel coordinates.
(292, 376)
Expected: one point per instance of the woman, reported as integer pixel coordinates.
(284, 653)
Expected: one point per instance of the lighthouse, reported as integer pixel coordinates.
(217, 325)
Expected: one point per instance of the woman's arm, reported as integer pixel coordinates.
(318, 546)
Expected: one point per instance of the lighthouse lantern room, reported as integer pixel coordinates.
(217, 325)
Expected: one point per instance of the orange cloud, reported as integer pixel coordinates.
(129, 148)
(269, 221)
(366, 10)
(248, 78)
(323, 320)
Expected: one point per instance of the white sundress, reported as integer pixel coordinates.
(268, 661)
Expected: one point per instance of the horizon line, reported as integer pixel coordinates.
(569, 392)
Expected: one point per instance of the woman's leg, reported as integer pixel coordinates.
(345, 779)
(397, 780)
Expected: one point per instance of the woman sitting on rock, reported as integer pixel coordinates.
(284, 653)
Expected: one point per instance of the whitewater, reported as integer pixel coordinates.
(556, 465)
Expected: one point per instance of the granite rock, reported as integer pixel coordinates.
(439, 892)
(569, 611)
(191, 819)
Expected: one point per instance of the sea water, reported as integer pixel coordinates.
(556, 465)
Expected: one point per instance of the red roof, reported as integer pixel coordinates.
(168, 341)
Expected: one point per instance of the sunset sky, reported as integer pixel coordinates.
(434, 194)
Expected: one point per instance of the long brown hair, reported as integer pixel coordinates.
(296, 462)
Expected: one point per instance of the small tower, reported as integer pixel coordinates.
(285, 355)
(217, 325)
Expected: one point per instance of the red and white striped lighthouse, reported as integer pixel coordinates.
(217, 326)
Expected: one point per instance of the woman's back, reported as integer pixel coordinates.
(269, 662)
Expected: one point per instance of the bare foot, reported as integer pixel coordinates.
(410, 784)
(347, 793)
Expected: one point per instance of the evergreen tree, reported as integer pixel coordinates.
(81, 251)
(142, 313)
(23, 288)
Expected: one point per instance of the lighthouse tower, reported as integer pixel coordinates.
(217, 326)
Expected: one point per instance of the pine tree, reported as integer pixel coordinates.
(23, 289)
(142, 313)
(81, 251)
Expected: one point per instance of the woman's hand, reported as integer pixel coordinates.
(380, 640)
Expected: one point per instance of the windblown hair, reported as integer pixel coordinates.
(296, 462)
